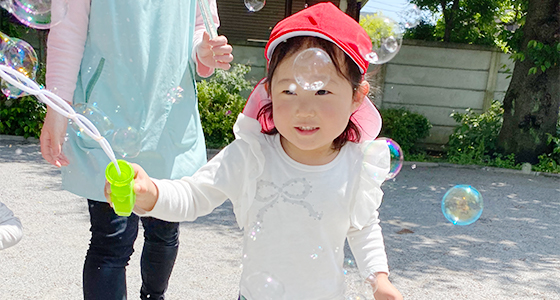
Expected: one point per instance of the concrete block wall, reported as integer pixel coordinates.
(430, 78)
(436, 79)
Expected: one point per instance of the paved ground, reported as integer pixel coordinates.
(511, 252)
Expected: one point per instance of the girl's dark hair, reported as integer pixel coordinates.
(343, 64)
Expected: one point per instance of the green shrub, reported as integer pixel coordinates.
(405, 127)
(550, 162)
(22, 117)
(220, 102)
(474, 140)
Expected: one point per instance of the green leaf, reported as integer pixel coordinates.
(539, 46)
(533, 70)
(543, 68)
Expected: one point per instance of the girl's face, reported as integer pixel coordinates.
(309, 121)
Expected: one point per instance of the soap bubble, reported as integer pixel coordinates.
(39, 14)
(361, 287)
(264, 286)
(96, 116)
(386, 37)
(371, 157)
(317, 252)
(175, 94)
(356, 296)
(347, 265)
(312, 68)
(20, 56)
(371, 282)
(254, 5)
(397, 157)
(410, 16)
(254, 231)
(462, 205)
(127, 142)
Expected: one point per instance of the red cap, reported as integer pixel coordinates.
(324, 20)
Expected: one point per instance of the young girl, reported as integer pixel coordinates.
(297, 182)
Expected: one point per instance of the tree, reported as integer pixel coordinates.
(532, 100)
(467, 21)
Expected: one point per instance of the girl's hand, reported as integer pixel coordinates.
(211, 54)
(146, 191)
(385, 289)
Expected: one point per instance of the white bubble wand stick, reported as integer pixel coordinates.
(207, 18)
(29, 86)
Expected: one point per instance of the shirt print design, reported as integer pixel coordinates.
(293, 191)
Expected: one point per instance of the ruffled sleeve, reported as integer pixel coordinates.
(375, 167)
(249, 130)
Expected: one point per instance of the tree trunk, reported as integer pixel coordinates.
(531, 102)
(449, 17)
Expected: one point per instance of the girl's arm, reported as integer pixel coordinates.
(193, 196)
(385, 289)
(11, 230)
(369, 251)
(368, 247)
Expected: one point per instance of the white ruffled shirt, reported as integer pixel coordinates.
(11, 230)
(295, 217)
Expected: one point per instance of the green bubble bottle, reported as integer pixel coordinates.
(122, 187)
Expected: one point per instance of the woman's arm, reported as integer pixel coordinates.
(65, 49)
(210, 54)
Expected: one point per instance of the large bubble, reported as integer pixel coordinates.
(20, 56)
(410, 16)
(127, 142)
(96, 116)
(397, 157)
(254, 5)
(462, 205)
(264, 286)
(386, 37)
(39, 14)
(311, 68)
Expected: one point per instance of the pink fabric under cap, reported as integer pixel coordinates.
(366, 116)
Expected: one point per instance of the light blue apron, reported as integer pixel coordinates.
(137, 70)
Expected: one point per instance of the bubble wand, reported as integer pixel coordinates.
(119, 172)
(29, 86)
(207, 18)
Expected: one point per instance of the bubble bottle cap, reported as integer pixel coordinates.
(122, 187)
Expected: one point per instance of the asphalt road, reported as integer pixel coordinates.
(511, 252)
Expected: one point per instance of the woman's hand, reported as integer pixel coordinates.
(146, 191)
(52, 138)
(213, 53)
